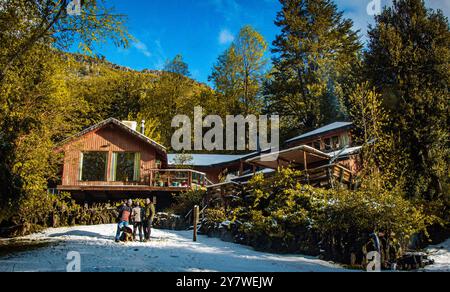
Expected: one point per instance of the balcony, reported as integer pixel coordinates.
(176, 178)
(166, 180)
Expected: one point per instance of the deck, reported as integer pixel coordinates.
(327, 176)
(154, 180)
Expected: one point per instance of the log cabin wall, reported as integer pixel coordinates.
(110, 138)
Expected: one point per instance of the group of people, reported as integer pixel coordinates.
(141, 218)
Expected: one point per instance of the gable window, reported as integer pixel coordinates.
(93, 166)
(125, 166)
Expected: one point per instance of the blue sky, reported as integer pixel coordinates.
(200, 30)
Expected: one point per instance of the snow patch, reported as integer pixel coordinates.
(441, 255)
(168, 251)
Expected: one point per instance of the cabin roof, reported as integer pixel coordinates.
(322, 130)
(208, 159)
(346, 152)
(120, 125)
(296, 155)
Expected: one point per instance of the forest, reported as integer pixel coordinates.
(394, 89)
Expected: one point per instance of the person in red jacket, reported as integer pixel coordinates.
(124, 218)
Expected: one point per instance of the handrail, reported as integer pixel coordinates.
(329, 166)
(336, 157)
(176, 170)
(176, 177)
(208, 181)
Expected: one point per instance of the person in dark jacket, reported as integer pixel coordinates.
(124, 218)
(137, 218)
(149, 216)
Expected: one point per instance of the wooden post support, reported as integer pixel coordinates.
(154, 200)
(305, 165)
(196, 219)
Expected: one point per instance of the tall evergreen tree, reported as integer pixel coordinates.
(408, 62)
(314, 53)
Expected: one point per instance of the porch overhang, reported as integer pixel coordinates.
(298, 156)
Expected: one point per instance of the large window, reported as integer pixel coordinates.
(93, 166)
(125, 166)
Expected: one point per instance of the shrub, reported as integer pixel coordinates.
(186, 201)
(215, 216)
(283, 215)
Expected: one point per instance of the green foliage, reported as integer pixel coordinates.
(51, 210)
(280, 209)
(171, 94)
(183, 160)
(240, 71)
(313, 56)
(37, 107)
(215, 216)
(380, 156)
(407, 62)
(40, 22)
(186, 201)
(36, 110)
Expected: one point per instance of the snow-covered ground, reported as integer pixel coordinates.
(168, 251)
(441, 255)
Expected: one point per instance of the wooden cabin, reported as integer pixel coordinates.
(113, 161)
(326, 157)
(334, 139)
(218, 167)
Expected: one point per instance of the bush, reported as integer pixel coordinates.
(186, 201)
(51, 210)
(282, 215)
(215, 216)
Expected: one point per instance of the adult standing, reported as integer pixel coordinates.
(149, 216)
(124, 218)
(137, 216)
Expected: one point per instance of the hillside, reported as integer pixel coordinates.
(107, 90)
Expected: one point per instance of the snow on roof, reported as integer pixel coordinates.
(264, 171)
(327, 128)
(208, 159)
(345, 152)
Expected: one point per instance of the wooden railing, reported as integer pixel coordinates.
(176, 178)
(329, 175)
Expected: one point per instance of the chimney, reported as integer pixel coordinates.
(143, 127)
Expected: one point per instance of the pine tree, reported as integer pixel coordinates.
(314, 53)
(408, 62)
